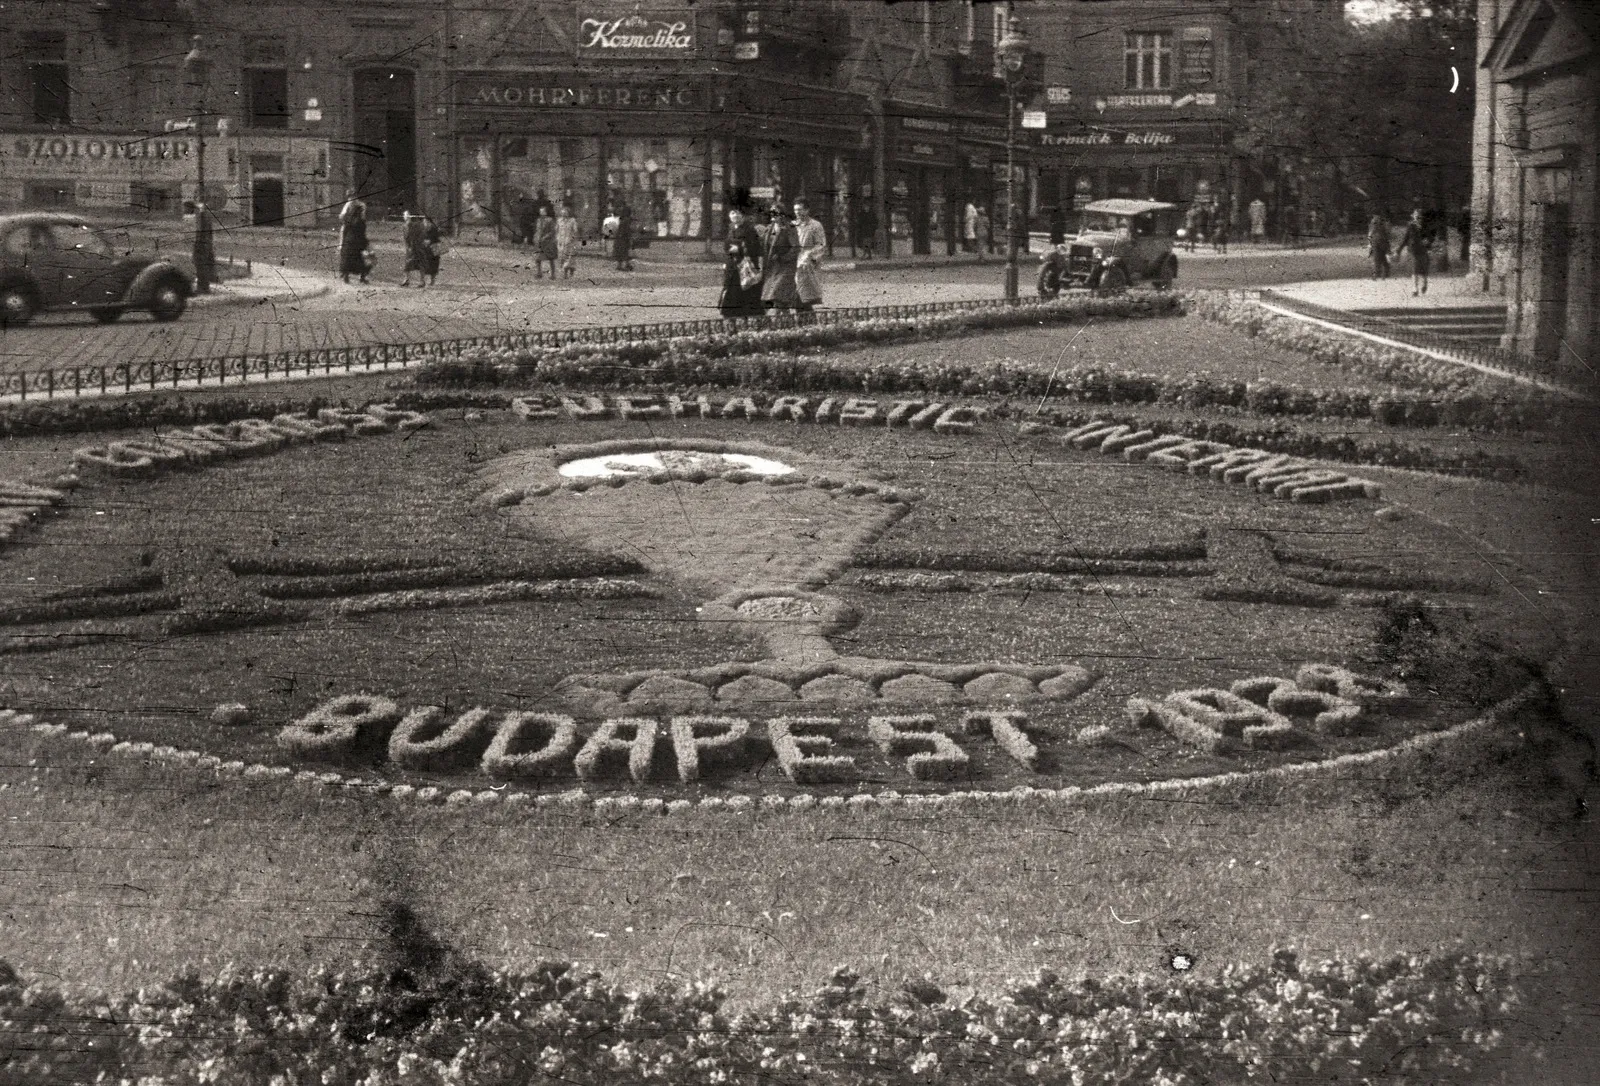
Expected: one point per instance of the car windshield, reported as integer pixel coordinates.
(1103, 222)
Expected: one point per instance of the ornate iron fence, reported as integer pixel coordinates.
(154, 375)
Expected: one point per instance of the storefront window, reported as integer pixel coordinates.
(900, 208)
(477, 197)
(562, 171)
(662, 181)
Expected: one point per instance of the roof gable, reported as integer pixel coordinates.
(1539, 35)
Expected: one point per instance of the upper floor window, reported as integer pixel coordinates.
(997, 23)
(266, 97)
(1147, 60)
(49, 91)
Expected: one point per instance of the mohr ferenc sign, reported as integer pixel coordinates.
(639, 33)
(557, 92)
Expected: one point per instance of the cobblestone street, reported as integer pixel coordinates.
(484, 291)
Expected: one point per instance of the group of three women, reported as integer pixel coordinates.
(775, 268)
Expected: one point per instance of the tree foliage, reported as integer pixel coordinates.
(1374, 104)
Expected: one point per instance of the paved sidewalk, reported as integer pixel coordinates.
(1444, 292)
(266, 286)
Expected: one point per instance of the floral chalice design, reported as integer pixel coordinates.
(759, 532)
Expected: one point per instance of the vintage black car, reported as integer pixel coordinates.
(1119, 242)
(59, 262)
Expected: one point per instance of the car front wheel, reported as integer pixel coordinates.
(169, 302)
(1167, 273)
(16, 306)
(1113, 281)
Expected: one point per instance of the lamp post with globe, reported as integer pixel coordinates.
(195, 67)
(1013, 48)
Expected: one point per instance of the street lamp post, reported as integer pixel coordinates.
(1012, 48)
(194, 66)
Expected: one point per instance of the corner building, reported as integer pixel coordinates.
(467, 108)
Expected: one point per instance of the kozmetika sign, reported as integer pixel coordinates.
(639, 33)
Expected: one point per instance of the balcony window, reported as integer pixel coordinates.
(49, 89)
(1147, 61)
(267, 97)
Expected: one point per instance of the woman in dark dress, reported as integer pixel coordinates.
(778, 266)
(622, 244)
(432, 250)
(353, 240)
(743, 241)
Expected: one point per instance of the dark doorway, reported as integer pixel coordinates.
(266, 201)
(1555, 256)
(384, 166)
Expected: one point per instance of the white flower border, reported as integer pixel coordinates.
(578, 799)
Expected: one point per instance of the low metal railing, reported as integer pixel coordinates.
(1494, 358)
(155, 375)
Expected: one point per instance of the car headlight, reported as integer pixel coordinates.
(1099, 252)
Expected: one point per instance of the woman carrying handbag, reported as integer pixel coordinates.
(741, 271)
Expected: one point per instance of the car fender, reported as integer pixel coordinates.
(142, 289)
(21, 277)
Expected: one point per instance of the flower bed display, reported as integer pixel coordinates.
(1261, 713)
(1430, 1017)
(207, 442)
(22, 503)
(1282, 476)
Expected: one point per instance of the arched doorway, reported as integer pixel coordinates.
(384, 156)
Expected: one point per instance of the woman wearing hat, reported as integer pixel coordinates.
(778, 266)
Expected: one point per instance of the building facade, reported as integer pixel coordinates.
(1536, 158)
(473, 108)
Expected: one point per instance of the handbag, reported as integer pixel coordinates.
(748, 276)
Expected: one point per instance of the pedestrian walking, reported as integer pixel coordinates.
(1220, 229)
(867, 231)
(1464, 226)
(969, 228)
(1378, 246)
(354, 256)
(1191, 226)
(544, 243)
(1258, 221)
(567, 240)
(985, 234)
(741, 268)
(778, 263)
(411, 236)
(1418, 238)
(812, 241)
(622, 242)
(432, 250)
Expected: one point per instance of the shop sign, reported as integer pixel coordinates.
(1033, 118)
(636, 34)
(556, 92)
(926, 124)
(1136, 138)
(1058, 96)
(30, 155)
(747, 50)
(1135, 101)
(1198, 54)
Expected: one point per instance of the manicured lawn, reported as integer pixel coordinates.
(1172, 347)
(120, 873)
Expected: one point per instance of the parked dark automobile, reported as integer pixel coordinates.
(58, 262)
